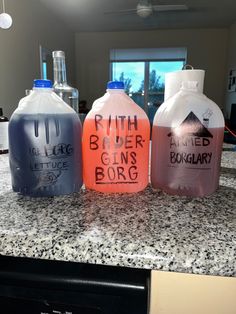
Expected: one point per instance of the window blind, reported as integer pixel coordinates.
(148, 54)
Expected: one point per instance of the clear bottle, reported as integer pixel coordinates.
(3, 133)
(45, 144)
(69, 94)
(116, 143)
(187, 138)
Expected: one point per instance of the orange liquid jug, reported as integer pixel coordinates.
(116, 144)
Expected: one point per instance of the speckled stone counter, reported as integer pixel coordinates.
(149, 230)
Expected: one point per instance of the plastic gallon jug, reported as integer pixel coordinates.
(45, 144)
(116, 143)
(187, 142)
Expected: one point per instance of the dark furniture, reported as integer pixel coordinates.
(33, 286)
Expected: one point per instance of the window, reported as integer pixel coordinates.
(143, 73)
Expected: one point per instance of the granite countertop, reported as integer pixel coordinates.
(150, 229)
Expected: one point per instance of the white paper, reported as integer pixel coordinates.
(173, 81)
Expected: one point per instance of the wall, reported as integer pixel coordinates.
(207, 49)
(231, 96)
(32, 26)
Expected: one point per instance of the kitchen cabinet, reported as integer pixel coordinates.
(177, 293)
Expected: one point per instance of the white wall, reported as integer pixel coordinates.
(19, 48)
(207, 49)
(231, 96)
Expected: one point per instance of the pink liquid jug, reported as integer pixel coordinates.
(187, 139)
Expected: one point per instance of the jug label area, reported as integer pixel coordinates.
(190, 144)
(50, 162)
(116, 143)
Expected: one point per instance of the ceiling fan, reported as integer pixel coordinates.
(145, 8)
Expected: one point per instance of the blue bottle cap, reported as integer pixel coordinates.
(115, 85)
(43, 83)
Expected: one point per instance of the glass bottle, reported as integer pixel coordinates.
(69, 94)
(3, 133)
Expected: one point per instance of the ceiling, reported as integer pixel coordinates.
(89, 15)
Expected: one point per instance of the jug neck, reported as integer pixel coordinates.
(115, 91)
(42, 90)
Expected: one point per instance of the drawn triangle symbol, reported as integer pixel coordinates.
(191, 126)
